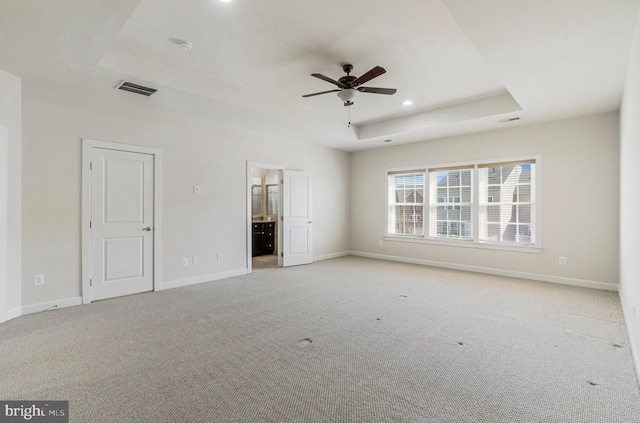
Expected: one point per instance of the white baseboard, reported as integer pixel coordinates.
(10, 314)
(51, 305)
(491, 271)
(332, 256)
(200, 279)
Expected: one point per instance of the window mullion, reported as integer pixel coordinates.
(475, 205)
(426, 213)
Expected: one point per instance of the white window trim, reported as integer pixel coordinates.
(474, 242)
(388, 196)
(447, 204)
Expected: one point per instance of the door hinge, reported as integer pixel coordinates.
(90, 225)
(90, 282)
(90, 165)
(281, 254)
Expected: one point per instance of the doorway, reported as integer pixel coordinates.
(279, 205)
(265, 217)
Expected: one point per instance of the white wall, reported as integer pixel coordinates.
(10, 195)
(4, 202)
(195, 152)
(630, 199)
(580, 198)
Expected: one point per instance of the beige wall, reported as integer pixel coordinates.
(194, 152)
(580, 166)
(630, 199)
(10, 194)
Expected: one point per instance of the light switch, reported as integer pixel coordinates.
(196, 189)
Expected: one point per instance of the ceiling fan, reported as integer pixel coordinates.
(350, 86)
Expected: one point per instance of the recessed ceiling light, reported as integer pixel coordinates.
(407, 103)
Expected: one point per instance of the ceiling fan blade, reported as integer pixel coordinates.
(388, 91)
(323, 92)
(326, 78)
(373, 73)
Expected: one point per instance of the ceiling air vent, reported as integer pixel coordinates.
(135, 88)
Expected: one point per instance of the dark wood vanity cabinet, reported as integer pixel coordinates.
(264, 238)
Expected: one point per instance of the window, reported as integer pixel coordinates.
(406, 200)
(450, 203)
(490, 203)
(509, 217)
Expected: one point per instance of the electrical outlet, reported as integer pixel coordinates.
(185, 261)
(562, 260)
(194, 259)
(219, 256)
(381, 243)
(38, 279)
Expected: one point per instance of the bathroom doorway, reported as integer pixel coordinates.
(265, 212)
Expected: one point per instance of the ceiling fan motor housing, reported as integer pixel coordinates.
(347, 81)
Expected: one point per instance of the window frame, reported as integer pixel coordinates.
(419, 207)
(435, 204)
(510, 206)
(474, 241)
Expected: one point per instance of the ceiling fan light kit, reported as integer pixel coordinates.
(349, 86)
(347, 96)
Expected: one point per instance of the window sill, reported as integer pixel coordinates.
(465, 244)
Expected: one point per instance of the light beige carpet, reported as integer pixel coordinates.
(344, 340)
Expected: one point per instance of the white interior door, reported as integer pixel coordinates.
(297, 218)
(121, 223)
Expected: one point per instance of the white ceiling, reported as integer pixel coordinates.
(465, 64)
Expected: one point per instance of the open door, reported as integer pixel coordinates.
(297, 218)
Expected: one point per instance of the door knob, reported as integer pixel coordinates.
(148, 228)
(309, 222)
